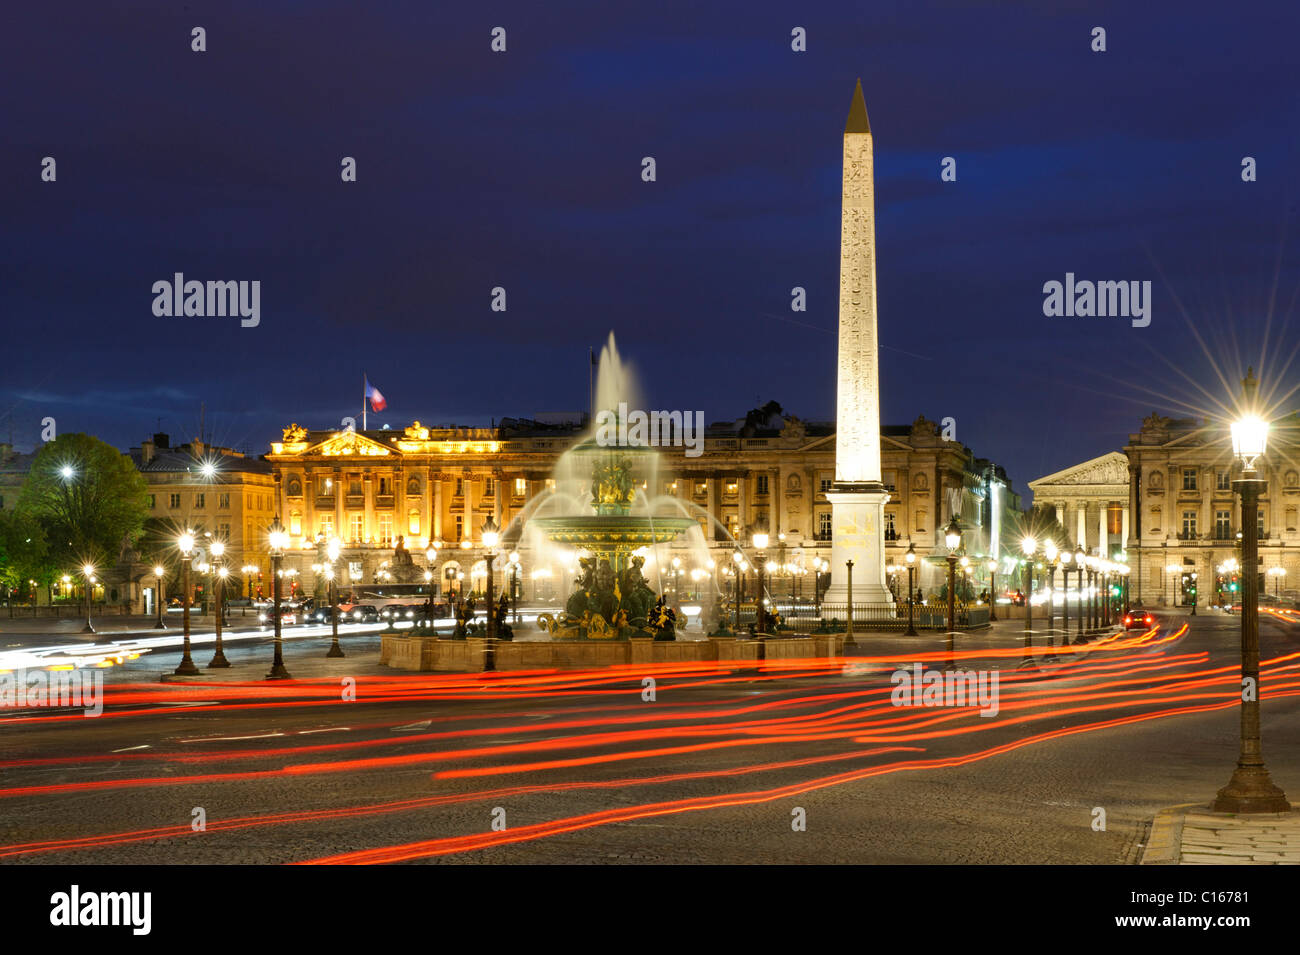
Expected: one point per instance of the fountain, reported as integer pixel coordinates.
(612, 598)
(602, 524)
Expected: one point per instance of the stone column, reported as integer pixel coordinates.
(467, 483)
(775, 524)
(339, 513)
(1081, 523)
(742, 503)
(368, 486)
(426, 506)
(435, 479)
(810, 477)
(1124, 527)
(497, 513)
(308, 504)
(712, 497)
(1103, 535)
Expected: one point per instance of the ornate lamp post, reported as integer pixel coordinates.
(1052, 556)
(88, 571)
(952, 537)
(1250, 789)
(848, 607)
(760, 541)
(159, 597)
(1067, 557)
(739, 560)
(514, 564)
(993, 590)
(332, 551)
(219, 660)
(819, 568)
(1277, 573)
(910, 559)
(491, 538)
(1079, 559)
(278, 538)
(1029, 546)
(185, 543)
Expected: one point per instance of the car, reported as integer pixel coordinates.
(319, 615)
(1137, 619)
(362, 613)
(288, 617)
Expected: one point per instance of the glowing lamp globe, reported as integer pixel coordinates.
(1249, 439)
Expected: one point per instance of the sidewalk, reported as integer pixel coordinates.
(116, 623)
(301, 668)
(1193, 835)
(999, 635)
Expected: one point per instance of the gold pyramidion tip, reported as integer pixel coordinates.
(857, 122)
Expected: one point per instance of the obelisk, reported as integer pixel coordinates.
(858, 497)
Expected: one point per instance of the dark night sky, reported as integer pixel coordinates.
(522, 170)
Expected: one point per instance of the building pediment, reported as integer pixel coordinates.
(346, 444)
(1109, 470)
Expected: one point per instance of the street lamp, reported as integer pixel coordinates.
(1080, 558)
(1277, 573)
(159, 597)
(1169, 571)
(1052, 556)
(993, 590)
(185, 543)
(760, 541)
(219, 660)
(952, 537)
(515, 568)
(491, 538)
(1250, 789)
(910, 559)
(332, 550)
(278, 538)
(1067, 557)
(88, 571)
(1029, 546)
(249, 570)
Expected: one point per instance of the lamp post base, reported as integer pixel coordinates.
(278, 672)
(87, 629)
(219, 661)
(187, 668)
(1251, 790)
(335, 650)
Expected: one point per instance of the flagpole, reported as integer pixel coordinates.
(591, 393)
(363, 402)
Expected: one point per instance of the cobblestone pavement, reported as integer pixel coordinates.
(1084, 798)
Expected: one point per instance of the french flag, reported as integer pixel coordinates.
(377, 401)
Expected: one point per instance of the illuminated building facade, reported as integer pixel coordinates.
(438, 485)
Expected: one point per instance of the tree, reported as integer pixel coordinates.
(23, 552)
(87, 496)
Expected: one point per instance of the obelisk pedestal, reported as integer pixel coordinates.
(858, 497)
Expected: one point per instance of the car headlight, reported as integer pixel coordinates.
(261, 617)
